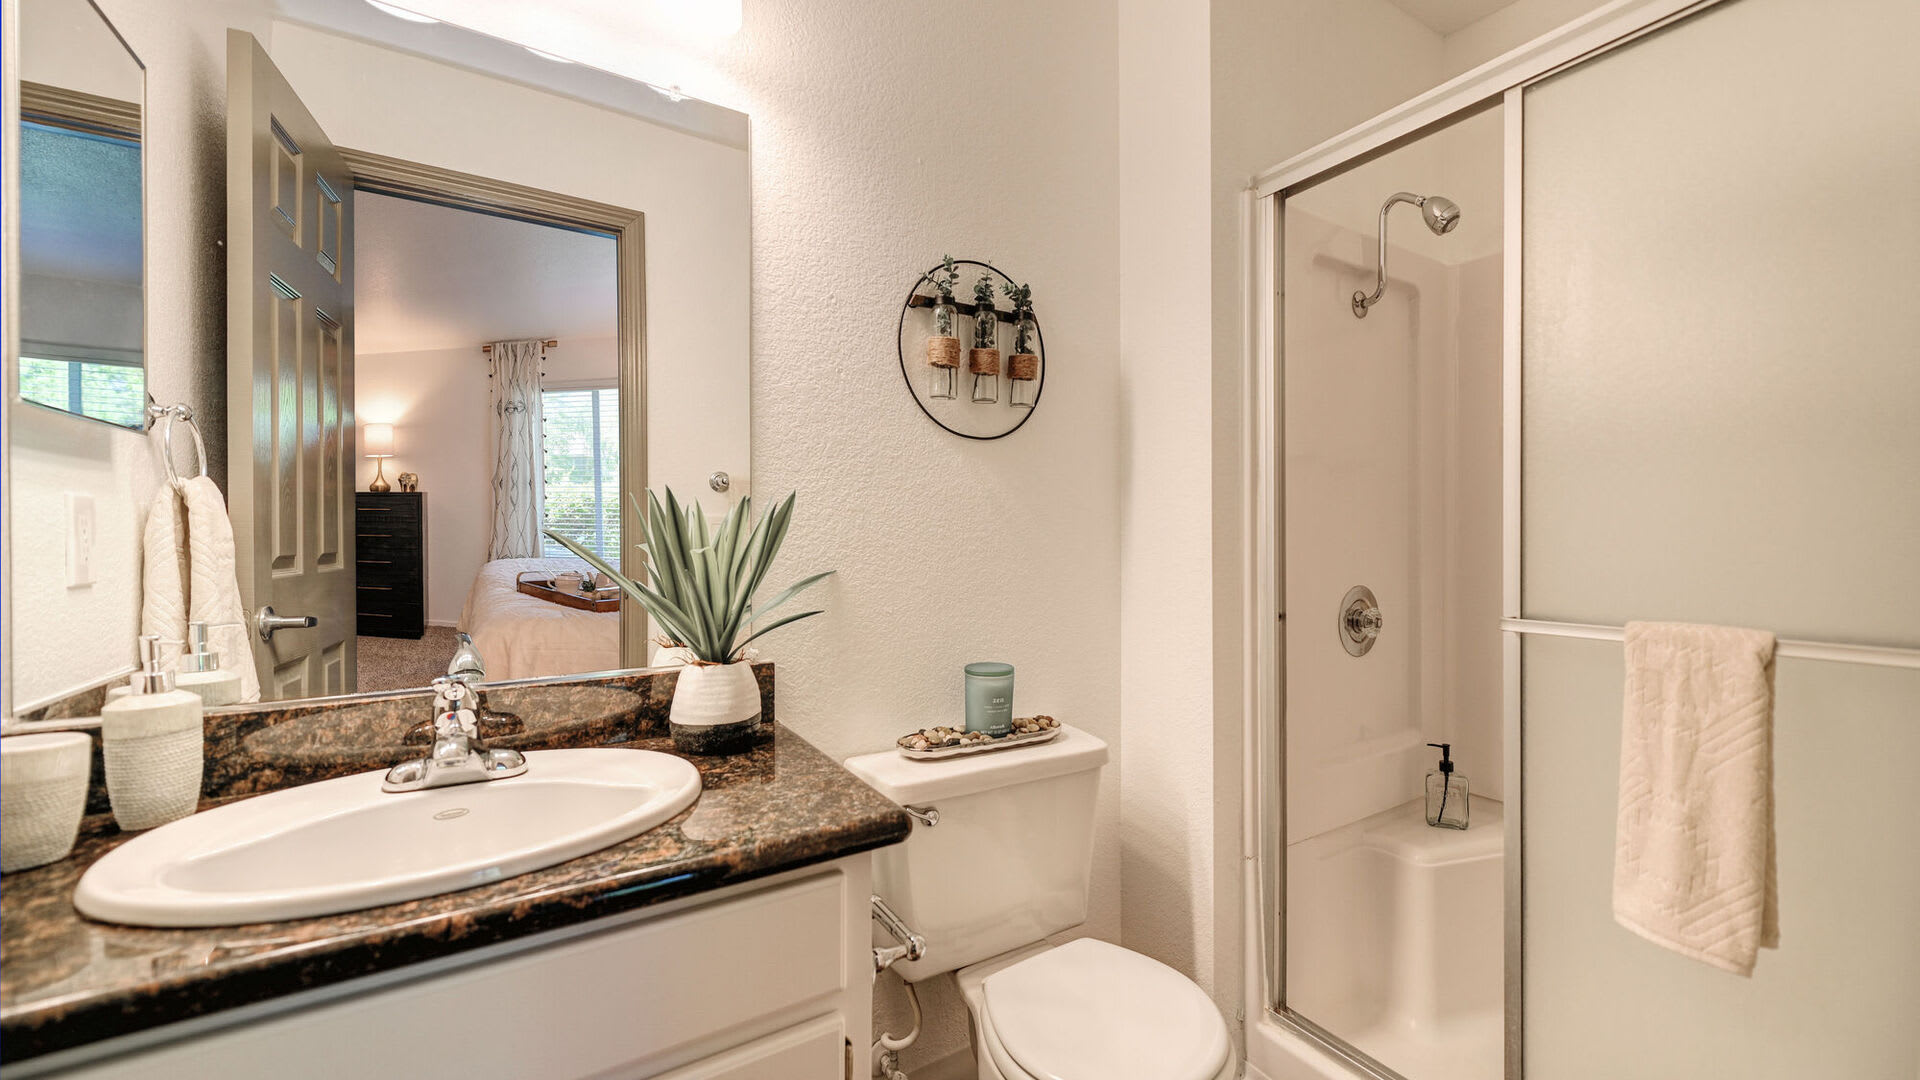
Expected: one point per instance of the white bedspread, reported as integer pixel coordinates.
(525, 637)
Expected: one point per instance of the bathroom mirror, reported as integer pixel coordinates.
(81, 290)
(472, 292)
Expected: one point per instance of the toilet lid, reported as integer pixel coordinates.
(1093, 1011)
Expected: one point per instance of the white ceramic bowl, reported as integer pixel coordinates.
(43, 792)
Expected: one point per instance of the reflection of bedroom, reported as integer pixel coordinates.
(486, 366)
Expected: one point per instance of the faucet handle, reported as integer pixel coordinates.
(449, 692)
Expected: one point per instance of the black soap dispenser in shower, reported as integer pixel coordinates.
(1446, 792)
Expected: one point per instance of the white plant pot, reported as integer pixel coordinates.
(716, 708)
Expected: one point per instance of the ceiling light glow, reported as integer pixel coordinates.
(402, 13)
(711, 18)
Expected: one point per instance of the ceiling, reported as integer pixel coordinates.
(431, 277)
(1443, 17)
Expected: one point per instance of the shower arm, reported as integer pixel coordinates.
(1361, 301)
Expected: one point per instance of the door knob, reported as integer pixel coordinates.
(268, 622)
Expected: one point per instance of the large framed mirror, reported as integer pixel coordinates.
(474, 295)
(81, 289)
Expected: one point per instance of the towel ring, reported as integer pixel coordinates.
(170, 413)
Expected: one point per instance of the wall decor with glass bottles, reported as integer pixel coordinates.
(975, 368)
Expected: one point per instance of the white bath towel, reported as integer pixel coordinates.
(213, 590)
(188, 574)
(164, 572)
(1693, 855)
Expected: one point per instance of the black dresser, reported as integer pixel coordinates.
(391, 531)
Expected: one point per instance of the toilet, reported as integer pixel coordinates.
(1003, 872)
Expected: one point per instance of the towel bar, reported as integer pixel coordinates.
(1876, 655)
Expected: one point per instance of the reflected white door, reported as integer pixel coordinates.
(289, 373)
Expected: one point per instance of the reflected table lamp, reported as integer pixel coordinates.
(379, 446)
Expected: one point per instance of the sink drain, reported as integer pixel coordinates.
(449, 815)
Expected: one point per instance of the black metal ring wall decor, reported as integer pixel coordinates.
(956, 409)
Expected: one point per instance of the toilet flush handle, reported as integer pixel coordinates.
(925, 815)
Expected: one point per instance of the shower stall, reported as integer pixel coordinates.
(1645, 354)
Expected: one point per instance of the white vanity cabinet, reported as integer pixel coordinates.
(770, 980)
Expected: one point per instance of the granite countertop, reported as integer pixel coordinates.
(67, 980)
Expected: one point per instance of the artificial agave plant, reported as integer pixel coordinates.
(703, 581)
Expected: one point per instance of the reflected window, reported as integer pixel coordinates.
(580, 431)
(114, 392)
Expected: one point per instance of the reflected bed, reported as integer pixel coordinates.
(524, 637)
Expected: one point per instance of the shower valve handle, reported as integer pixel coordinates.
(1364, 622)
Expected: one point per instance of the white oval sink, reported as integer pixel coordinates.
(342, 845)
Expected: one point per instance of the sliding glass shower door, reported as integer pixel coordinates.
(1722, 425)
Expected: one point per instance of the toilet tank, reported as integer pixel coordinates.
(1010, 860)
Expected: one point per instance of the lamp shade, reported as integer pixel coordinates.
(377, 440)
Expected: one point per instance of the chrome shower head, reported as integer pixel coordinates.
(1441, 214)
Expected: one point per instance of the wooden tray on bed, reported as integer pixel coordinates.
(601, 600)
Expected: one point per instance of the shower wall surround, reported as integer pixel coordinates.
(1719, 426)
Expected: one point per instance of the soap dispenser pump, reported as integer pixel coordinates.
(1446, 792)
(201, 673)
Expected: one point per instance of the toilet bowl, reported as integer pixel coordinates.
(991, 878)
(1088, 1010)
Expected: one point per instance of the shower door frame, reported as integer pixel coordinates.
(1500, 81)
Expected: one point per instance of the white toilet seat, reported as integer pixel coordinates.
(1089, 1009)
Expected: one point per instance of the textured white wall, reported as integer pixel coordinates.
(1165, 607)
(883, 136)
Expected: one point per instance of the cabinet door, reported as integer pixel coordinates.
(684, 990)
(815, 1050)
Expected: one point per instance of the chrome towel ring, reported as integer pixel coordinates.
(165, 415)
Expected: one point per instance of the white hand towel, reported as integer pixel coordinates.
(214, 585)
(164, 573)
(1693, 855)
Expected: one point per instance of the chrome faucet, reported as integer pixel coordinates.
(466, 664)
(457, 757)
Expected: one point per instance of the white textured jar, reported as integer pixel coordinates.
(154, 751)
(43, 792)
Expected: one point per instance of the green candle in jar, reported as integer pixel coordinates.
(990, 698)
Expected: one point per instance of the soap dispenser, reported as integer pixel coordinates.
(1446, 792)
(200, 670)
(153, 745)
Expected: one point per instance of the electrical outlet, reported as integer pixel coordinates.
(79, 539)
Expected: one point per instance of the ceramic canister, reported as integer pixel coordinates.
(990, 698)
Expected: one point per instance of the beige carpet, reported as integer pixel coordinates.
(402, 663)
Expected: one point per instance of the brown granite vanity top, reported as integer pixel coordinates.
(66, 980)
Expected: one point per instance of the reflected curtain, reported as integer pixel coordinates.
(513, 395)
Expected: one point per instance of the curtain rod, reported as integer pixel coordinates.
(550, 343)
(1876, 655)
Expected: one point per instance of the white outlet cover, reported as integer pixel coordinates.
(80, 536)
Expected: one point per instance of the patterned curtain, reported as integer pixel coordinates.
(514, 396)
